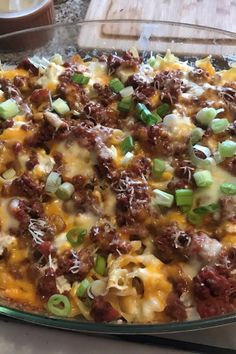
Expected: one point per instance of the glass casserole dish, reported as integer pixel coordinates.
(185, 41)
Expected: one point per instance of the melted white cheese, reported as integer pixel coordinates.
(77, 160)
(50, 76)
(7, 220)
(149, 270)
(109, 204)
(5, 240)
(87, 220)
(62, 284)
(177, 125)
(45, 165)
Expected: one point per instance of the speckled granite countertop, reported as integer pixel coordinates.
(70, 10)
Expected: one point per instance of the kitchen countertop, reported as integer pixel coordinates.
(70, 10)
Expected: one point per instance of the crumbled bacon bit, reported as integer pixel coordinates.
(215, 294)
(170, 85)
(25, 186)
(108, 241)
(143, 93)
(27, 65)
(102, 311)
(133, 198)
(47, 284)
(105, 94)
(198, 75)
(75, 265)
(229, 165)
(175, 309)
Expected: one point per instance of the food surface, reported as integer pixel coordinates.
(118, 188)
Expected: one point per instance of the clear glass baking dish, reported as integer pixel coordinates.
(90, 38)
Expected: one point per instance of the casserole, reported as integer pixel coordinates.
(147, 40)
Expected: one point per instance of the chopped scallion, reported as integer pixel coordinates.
(203, 178)
(127, 91)
(65, 191)
(207, 209)
(152, 62)
(80, 79)
(146, 116)
(8, 109)
(194, 218)
(184, 197)
(59, 305)
(116, 85)
(76, 236)
(196, 135)
(127, 158)
(219, 125)
(158, 167)
(9, 174)
(100, 266)
(53, 182)
(127, 144)
(163, 198)
(60, 106)
(227, 148)
(125, 104)
(207, 114)
(163, 109)
(82, 289)
(228, 188)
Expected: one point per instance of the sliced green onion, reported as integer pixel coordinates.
(196, 135)
(125, 104)
(163, 109)
(127, 144)
(100, 266)
(197, 161)
(207, 209)
(227, 148)
(194, 218)
(82, 289)
(9, 174)
(158, 167)
(228, 188)
(152, 62)
(219, 125)
(65, 191)
(163, 198)
(127, 158)
(127, 91)
(97, 288)
(203, 178)
(185, 209)
(8, 109)
(206, 115)
(217, 157)
(60, 106)
(116, 85)
(76, 236)
(146, 116)
(80, 79)
(53, 182)
(140, 107)
(184, 197)
(59, 305)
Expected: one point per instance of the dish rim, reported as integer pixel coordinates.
(83, 22)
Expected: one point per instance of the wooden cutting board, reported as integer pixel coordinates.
(214, 13)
